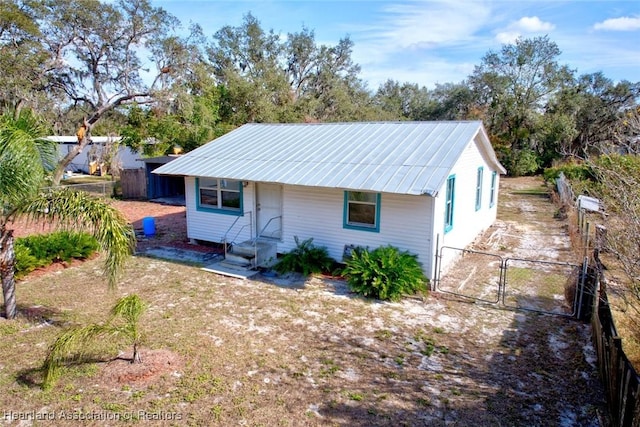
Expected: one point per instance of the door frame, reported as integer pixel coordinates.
(262, 221)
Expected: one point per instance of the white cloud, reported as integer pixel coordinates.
(507, 37)
(428, 24)
(428, 73)
(534, 25)
(624, 23)
(524, 26)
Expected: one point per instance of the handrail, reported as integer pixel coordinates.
(267, 225)
(225, 240)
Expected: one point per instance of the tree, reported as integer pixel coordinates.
(267, 80)
(405, 101)
(124, 322)
(617, 186)
(599, 108)
(514, 85)
(24, 159)
(247, 61)
(452, 101)
(191, 121)
(95, 61)
(24, 60)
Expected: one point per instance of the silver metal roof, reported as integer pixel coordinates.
(393, 157)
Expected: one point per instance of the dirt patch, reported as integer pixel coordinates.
(170, 224)
(156, 364)
(263, 352)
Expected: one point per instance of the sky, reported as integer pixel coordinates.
(431, 42)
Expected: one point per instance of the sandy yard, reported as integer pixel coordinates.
(307, 352)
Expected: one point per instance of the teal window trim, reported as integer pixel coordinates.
(492, 197)
(225, 211)
(449, 203)
(357, 226)
(479, 180)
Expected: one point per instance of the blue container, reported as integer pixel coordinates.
(149, 226)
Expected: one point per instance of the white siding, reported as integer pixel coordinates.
(127, 158)
(405, 221)
(212, 227)
(318, 213)
(468, 222)
(411, 223)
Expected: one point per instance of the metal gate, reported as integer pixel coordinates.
(543, 286)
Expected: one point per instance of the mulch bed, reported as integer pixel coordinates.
(170, 224)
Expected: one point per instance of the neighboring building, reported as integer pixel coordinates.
(126, 157)
(159, 186)
(413, 185)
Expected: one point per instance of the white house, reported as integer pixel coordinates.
(414, 185)
(126, 157)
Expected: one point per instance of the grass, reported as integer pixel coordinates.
(252, 350)
(259, 353)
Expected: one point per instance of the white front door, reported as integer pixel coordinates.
(269, 210)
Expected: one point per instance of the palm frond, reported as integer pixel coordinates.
(74, 210)
(73, 344)
(130, 308)
(22, 171)
(70, 345)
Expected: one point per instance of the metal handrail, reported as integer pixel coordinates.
(267, 225)
(225, 240)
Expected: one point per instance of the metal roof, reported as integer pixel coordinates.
(393, 157)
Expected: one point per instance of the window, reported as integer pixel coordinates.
(479, 188)
(492, 197)
(219, 195)
(362, 211)
(448, 209)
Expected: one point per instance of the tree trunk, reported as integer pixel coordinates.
(136, 358)
(64, 162)
(84, 137)
(7, 270)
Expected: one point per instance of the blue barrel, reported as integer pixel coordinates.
(149, 226)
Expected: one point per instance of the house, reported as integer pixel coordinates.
(413, 185)
(125, 156)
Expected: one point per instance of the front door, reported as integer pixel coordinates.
(269, 210)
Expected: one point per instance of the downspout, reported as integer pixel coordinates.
(435, 243)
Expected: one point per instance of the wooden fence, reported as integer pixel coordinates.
(133, 183)
(620, 380)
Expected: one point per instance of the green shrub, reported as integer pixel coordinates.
(386, 273)
(43, 249)
(25, 261)
(305, 258)
(572, 171)
(524, 162)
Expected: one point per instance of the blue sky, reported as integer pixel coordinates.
(430, 41)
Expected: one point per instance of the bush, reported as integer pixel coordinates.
(572, 171)
(386, 273)
(524, 162)
(44, 249)
(305, 258)
(25, 261)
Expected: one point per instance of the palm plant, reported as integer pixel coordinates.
(73, 343)
(25, 159)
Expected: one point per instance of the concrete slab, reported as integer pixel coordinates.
(226, 270)
(182, 255)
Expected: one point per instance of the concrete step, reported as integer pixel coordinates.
(244, 250)
(260, 253)
(230, 270)
(238, 260)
